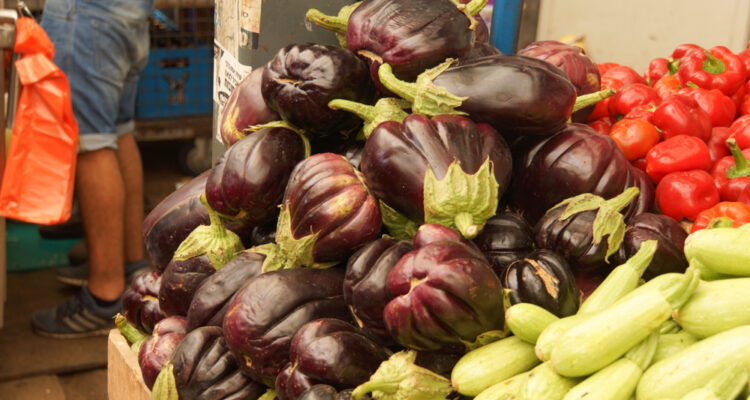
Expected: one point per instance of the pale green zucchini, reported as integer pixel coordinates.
(544, 383)
(727, 385)
(527, 321)
(509, 389)
(551, 334)
(715, 307)
(721, 250)
(672, 343)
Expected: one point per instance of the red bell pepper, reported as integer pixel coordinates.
(601, 125)
(744, 55)
(717, 68)
(635, 137)
(681, 115)
(624, 74)
(731, 173)
(644, 112)
(740, 131)
(683, 49)
(601, 109)
(717, 143)
(684, 194)
(739, 100)
(635, 94)
(719, 107)
(727, 211)
(745, 197)
(659, 68)
(604, 67)
(667, 86)
(678, 153)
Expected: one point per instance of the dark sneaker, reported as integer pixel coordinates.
(78, 275)
(76, 317)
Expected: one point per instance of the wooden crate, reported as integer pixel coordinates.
(124, 380)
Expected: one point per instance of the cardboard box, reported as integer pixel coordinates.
(124, 380)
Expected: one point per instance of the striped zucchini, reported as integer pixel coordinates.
(695, 366)
(725, 386)
(715, 307)
(527, 321)
(487, 365)
(721, 250)
(544, 383)
(671, 343)
(509, 389)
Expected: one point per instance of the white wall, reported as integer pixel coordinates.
(633, 32)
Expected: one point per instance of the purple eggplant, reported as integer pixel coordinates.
(670, 237)
(244, 109)
(327, 214)
(247, 183)
(158, 348)
(263, 234)
(581, 70)
(270, 308)
(445, 295)
(364, 285)
(140, 302)
(327, 392)
(403, 161)
(544, 278)
(301, 79)
(328, 351)
(480, 49)
(212, 298)
(507, 237)
(576, 160)
(180, 281)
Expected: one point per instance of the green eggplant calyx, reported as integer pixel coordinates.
(643, 353)
(643, 257)
(461, 201)
(217, 242)
(486, 338)
(591, 99)
(471, 9)
(399, 378)
(131, 333)
(426, 97)
(335, 23)
(740, 167)
(398, 225)
(720, 222)
(283, 124)
(386, 109)
(713, 65)
(270, 394)
(165, 387)
(136, 346)
(288, 252)
(679, 293)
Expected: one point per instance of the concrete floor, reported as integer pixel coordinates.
(32, 367)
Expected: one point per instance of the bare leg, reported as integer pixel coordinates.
(129, 160)
(101, 195)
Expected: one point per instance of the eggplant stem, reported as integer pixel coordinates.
(217, 227)
(740, 168)
(623, 199)
(591, 99)
(363, 111)
(475, 6)
(370, 386)
(465, 223)
(405, 90)
(332, 23)
(130, 332)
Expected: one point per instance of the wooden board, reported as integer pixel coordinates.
(124, 380)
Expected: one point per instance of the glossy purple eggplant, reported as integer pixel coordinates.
(266, 313)
(247, 182)
(140, 302)
(180, 281)
(398, 156)
(212, 298)
(507, 237)
(670, 237)
(445, 295)
(581, 70)
(244, 108)
(576, 160)
(544, 278)
(480, 49)
(301, 79)
(364, 285)
(327, 392)
(328, 351)
(158, 348)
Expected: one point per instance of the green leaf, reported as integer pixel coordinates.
(426, 97)
(461, 201)
(386, 109)
(288, 252)
(397, 224)
(164, 386)
(398, 378)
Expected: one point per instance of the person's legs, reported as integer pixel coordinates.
(131, 169)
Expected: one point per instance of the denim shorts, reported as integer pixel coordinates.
(101, 46)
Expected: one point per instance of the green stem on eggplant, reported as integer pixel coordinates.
(217, 226)
(591, 99)
(165, 387)
(475, 6)
(286, 125)
(426, 97)
(386, 109)
(465, 223)
(740, 167)
(398, 225)
(623, 199)
(130, 332)
(333, 23)
(399, 378)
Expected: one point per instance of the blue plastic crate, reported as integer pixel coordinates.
(176, 82)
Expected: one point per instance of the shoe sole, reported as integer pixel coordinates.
(78, 282)
(74, 335)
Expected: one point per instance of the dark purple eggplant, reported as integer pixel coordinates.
(270, 308)
(545, 279)
(158, 348)
(327, 214)
(140, 302)
(244, 109)
(301, 79)
(646, 195)
(439, 362)
(364, 285)
(506, 237)
(247, 183)
(263, 234)
(212, 298)
(670, 237)
(586, 229)
(403, 161)
(445, 295)
(203, 368)
(480, 49)
(180, 281)
(331, 352)
(326, 392)
(581, 70)
(576, 160)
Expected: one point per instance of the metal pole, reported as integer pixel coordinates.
(506, 17)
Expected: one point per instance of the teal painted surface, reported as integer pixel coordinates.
(28, 251)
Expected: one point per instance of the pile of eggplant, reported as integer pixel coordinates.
(379, 206)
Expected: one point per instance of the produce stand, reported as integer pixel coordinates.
(124, 380)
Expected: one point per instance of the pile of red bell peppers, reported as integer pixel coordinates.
(686, 123)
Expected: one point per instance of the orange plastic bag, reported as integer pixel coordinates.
(38, 181)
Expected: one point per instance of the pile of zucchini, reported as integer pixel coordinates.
(677, 336)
